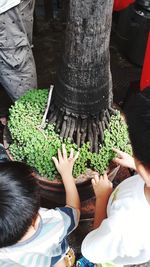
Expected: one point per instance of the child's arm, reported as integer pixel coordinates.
(124, 159)
(64, 166)
(102, 189)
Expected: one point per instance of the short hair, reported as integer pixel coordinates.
(137, 113)
(19, 201)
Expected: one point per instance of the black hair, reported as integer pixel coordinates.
(19, 201)
(137, 113)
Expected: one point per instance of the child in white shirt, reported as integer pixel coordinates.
(121, 232)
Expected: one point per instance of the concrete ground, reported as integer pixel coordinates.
(48, 37)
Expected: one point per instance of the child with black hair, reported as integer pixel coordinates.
(29, 235)
(121, 232)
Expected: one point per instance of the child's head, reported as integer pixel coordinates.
(137, 112)
(19, 201)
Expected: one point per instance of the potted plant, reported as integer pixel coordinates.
(36, 142)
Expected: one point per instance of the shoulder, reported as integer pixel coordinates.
(66, 214)
(129, 188)
(127, 196)
(132, 180)
(70, 213)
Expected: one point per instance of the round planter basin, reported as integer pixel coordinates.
(53, 191)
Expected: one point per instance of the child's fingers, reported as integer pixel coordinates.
(96, 178)
(93, 182)
(115, 149)
(105, 176)
(71, 153)
(119, 152)
(117, 160)
(59, 155)
(76, 156)
(64, 151)
(55, 161)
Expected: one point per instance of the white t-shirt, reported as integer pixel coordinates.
(7, 4)
(124, 236)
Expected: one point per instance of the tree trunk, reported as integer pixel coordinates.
(82, 95)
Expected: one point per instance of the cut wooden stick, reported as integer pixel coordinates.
(47, 107)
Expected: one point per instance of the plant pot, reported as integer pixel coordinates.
(36, 143)
(53, 191)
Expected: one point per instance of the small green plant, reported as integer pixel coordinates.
(115, 136)
(37, 146)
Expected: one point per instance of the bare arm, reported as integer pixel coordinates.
(102, 189)
(64, 166)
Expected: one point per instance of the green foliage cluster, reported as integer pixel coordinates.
(115, 136)
(37, 146)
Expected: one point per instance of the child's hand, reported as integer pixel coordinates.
(102, 186)
(64, 165)
(124, 159)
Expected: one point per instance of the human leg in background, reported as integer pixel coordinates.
(17, 71)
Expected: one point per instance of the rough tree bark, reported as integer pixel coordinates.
(82, 97)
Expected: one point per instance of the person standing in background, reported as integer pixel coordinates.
(17, 66)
